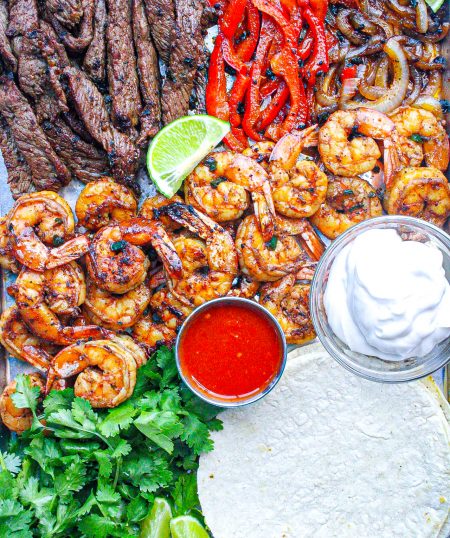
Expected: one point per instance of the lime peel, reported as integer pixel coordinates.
(157, 523)
(187, 527)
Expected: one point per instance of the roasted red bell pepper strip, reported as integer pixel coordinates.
(231, 57)
(318, 62)
(269, 87)
(216, 89)
(305, 48)
(246, 49)
(272, 110)
(270, 8)
(285, 65)
(232, 16)
(349, 72)
(319, 8)
(236, 140)
(253, 98)
(237, 97)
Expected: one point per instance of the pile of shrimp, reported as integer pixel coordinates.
(96, 295)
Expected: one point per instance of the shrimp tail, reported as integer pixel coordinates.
(264, 210)
(37, 357)
(69, 335)
(70, 251)
(391, 161)
(289, 147)
(311, 242)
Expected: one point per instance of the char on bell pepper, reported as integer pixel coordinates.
(216, 89)
(232, 16)
(272, 110)
(247, 47)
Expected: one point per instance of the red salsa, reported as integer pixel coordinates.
(230, 352)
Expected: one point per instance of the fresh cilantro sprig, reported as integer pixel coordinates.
(85, 472)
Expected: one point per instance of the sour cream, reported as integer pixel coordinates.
(388, 298)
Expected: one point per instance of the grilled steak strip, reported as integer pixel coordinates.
(88, 101)
(86, 162)
(94, 62)
(77, 43)
(47, 169)
(66, 12)
(23, 17)
(161, 17)
(77, 126)
(184, 60)
(122, 75)
(19, 173)
(5, 47)
(31, 70)
(148, 69)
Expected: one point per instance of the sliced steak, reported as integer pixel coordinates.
(5, 46)
(86, 162)
(197, 101)
(77, 126)
(77, 42)
(66, 12)
(122, 74)
(47, 169)
(88, 101)
(32, 67)
(184, 60)
(161, 17)
(23, 17)
(19, 174)
(148, 69)
(94, 62)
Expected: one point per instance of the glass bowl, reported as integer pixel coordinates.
(374, 368)
(223, 401)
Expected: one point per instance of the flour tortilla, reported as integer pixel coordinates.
(328, 454)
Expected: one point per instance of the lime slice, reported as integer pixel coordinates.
(157, 523)
(434, 4)
(178, 148)
(187, 527)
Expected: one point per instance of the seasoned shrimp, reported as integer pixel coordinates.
(416, 126)
(288, 300)
(30, 291)
(342, 148)
(103, 201)
(105, 370)
(7, 259)
(209, 260)
(243, 286)
(153, 333)
(65, 288)
(21, 343)
(116, 312)
(18, 419)
(150, 206)
(268, 261)
(348, 201)
(116, 263)
(419, 192)
(219, 187)
(41, 220)
(260, 152)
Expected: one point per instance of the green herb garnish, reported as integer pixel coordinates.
(118, 246)
(272, 244)
(348, 192)
(58, 241)
(215, 182)
(415, 137)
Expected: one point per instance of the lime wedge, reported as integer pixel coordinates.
(178, 148)
(434, 4)
(187, 527)
(157, 523)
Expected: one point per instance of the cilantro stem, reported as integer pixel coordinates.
(2, 462)
(116, 476)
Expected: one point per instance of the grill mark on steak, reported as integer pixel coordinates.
(66, 12)
(197, 100)
(32, 67)
(184, 60)
(161, 17)
(77, 43)
(94, 62)
(23, 17)
(148, 69)
(77, 126)
(19, 173)
(48, 171)
(88, 101)
(5, 46)
(86, 162)
(121, 67)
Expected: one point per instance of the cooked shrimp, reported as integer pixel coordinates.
(103, 201)
(219, 187)
(288, 300)
(116, 312)
(153, 333)
(41, 220)
(21, 343)
(18, 419)
(342, 148)
(117, 264)
(268, 261)
(244, 286)
(419, 192)
(105, 370)
(260, 152)
(65, 288)
(348, 201)
(302, 229)
(209, 261)
(7, 259)
(417, 126)
(30, 298)
(150, 206)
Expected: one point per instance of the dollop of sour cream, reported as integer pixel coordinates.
(388, 298)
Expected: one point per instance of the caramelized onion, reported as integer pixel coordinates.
(421, 17)
(323, 94)
(374, 45)
(382, 74)
(431, 104)
(434, 86)
(393, 96)
(429, 37)
(416, 87)
(344, 25)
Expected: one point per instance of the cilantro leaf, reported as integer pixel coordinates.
(58, 399)
(65, 426)
(196, 435)
(185, 494)
(160, 427)
(71, 480)
(14, 520)
(165, 359)
(95, 526)
(25, 395)
(10, 462)
(118, 419)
